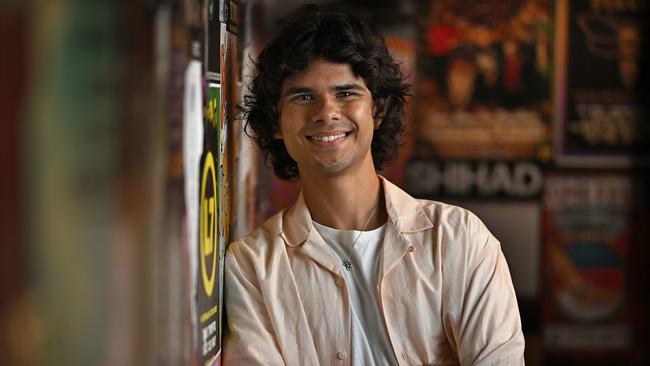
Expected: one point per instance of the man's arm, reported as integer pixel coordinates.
(249, 337)
(489, 325)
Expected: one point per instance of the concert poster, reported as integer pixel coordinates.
(600, 104)
(591, 229)
(483, 80)
(209, 273)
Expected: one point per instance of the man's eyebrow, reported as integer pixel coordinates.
(348, 86)
(297, 90)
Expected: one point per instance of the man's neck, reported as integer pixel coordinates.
(346, 202)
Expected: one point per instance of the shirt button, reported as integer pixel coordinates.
(341, 355)
(339, 282)
(411, 248)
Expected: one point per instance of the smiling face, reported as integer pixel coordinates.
(326, 120)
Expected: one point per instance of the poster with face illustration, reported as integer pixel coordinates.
(483, 80)
(599, 98)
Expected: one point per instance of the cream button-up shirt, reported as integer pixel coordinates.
(444, 290)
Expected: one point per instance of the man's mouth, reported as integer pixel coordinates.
(328, 138)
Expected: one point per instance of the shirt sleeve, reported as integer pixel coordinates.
(489, 324)
(249, 338)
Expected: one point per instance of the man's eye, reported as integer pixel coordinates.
(304, 97)
(344, 94)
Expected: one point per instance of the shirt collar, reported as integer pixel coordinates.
(296, 223)
(403, 211)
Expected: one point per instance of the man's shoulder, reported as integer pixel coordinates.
(449, 217)
(459, 225)
(446, 214)
(261, 238)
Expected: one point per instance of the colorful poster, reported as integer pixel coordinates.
(483, 80)
(588, 223)
(599, 101)
(210, 236)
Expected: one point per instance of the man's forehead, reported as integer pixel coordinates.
(321, 73)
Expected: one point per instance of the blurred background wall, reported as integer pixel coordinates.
(125, 171)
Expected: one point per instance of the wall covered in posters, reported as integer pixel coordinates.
(209, 150)
(141, 188)
(509, 91)
(215, 196)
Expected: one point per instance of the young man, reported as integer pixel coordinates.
(356, 271)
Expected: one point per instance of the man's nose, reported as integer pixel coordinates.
(326, 109)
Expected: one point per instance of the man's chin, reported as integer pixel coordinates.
(330, 169)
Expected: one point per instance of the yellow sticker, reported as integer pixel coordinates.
(208, 225)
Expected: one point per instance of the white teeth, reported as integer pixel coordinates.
(328, 138)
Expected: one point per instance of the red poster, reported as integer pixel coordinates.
(589, 223)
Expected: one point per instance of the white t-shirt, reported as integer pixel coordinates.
(370, 342)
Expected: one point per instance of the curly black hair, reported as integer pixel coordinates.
(308, 35)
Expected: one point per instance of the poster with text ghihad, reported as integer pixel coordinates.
(589, 226)
(483, 80)
(601, 106)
